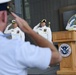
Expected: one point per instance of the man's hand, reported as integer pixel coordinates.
(22, 23)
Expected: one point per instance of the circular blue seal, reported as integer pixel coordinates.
(65, 50)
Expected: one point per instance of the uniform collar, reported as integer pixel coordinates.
(1, 33)
(4, 35)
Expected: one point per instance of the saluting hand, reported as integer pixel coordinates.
(22, 23)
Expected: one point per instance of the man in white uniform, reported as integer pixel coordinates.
(16, 56)
(43, 30)
(15, 32)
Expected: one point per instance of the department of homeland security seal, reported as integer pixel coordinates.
(65, 50)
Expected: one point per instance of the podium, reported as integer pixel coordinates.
(67, 46)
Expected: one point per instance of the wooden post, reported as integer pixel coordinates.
(68, 63)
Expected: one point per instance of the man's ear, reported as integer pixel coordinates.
(0, 15)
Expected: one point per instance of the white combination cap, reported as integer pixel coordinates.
(4, 4)
(4, 1)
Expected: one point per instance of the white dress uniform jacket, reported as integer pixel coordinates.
(44, 31)
(16, 56)
(16, 33)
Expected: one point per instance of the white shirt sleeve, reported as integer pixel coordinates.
(36, 27)
(28, 55)
(6, 30)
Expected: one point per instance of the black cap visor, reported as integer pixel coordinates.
(3, 6)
